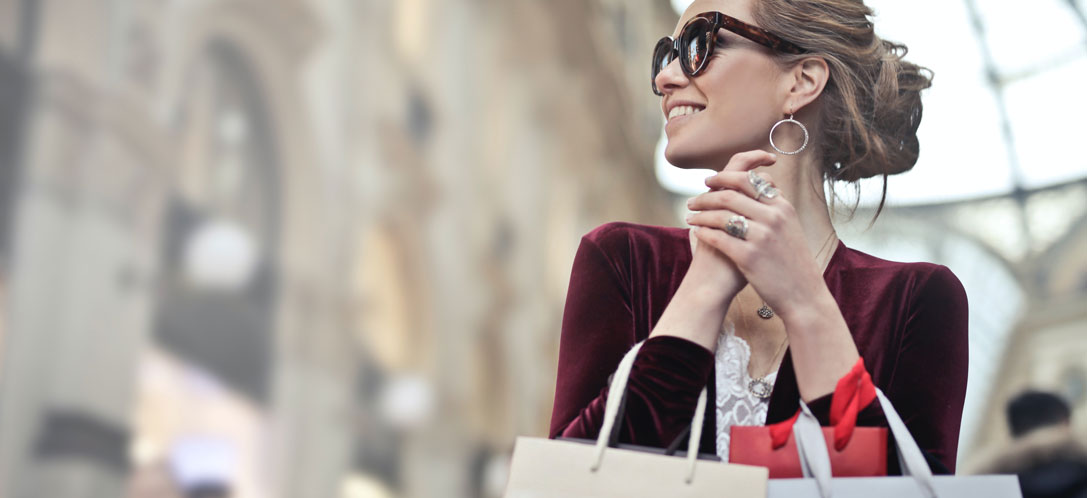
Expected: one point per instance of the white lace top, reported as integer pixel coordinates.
(736, 405)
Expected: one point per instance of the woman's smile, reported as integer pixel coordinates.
(681, 114)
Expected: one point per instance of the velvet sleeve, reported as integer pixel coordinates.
(597, 330)
(928, 386)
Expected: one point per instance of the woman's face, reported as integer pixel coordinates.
(737, 97)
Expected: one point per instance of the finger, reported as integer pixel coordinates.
(728, 179)
(731, 200)
(730, 246)
(718, 220)
(736, 180)
(750, 160)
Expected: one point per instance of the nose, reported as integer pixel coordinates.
(671, 77)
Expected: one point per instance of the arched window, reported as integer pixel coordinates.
(221, 228)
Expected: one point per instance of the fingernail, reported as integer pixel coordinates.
(689, 216)
(690, 202)
(773, 156)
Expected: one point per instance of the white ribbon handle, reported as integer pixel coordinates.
(815, 461)
(611, 412)
(909, 454)
(812, 449)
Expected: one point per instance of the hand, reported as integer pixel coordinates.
(774, 257)
(709, 266)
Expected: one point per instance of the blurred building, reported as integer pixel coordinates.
(321, 244)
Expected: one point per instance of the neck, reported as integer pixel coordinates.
(800, 180)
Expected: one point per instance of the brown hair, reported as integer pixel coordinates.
(871, 105)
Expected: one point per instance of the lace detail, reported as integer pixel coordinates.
(736, 405)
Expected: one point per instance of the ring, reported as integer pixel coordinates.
(737, 227)
(762, 186)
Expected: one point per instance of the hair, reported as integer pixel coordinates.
(871, 104)
(1032, 410)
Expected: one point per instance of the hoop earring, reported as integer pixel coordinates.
(798, 123)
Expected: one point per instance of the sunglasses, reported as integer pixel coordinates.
(696, 40)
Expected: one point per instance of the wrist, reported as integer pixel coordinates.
(708, 288)
(810, 313)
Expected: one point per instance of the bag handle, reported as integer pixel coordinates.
(815, 461)
(611, 412)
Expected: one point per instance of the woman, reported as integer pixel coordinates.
(759, 300)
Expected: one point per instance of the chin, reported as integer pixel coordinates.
(684, 158)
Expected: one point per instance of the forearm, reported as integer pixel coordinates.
(696, 311)
(662, 390)
(822, 347)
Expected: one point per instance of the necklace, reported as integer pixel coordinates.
(766, 312)
(759, 386)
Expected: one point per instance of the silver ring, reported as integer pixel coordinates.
(762, 186)
(737, 227)
(755, 179)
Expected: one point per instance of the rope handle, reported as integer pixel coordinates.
(612, 409)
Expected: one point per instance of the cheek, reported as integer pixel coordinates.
(742, 108)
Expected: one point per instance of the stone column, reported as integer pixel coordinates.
(80, 294)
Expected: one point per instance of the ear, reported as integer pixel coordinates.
(805, 82)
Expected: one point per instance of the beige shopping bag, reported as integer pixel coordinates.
(550, 468)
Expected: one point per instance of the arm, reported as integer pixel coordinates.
(928, 386)
(598, 329)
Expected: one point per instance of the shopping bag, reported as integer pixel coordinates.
(853, 451)
(917, 479)
(866, 454)
(550, 468)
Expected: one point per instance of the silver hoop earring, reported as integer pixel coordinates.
(802, 128)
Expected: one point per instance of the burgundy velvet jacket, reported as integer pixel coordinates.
(908, 320)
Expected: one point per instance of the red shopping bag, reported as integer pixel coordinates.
(854, 451)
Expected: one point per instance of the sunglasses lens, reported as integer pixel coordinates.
(695, 44)
(662, 55)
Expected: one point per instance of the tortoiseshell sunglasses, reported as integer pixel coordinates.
(697, 39)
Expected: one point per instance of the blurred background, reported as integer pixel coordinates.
(320, 248)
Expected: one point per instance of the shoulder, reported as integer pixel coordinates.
(917, 284)
(629, 241)
(904, 275)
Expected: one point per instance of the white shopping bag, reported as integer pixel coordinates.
(917, 479)
(549, 468)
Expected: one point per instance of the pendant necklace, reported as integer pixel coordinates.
(759, 386)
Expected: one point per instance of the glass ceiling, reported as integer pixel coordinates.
(1005, 105)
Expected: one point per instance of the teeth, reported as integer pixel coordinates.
(683, 110)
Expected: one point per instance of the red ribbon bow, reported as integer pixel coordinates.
(853, 392)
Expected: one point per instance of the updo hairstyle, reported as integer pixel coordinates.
(871, 105)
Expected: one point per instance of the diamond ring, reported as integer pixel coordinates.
(763, 188)
(737, 227)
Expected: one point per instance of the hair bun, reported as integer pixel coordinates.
(872, 100)
(888, 99)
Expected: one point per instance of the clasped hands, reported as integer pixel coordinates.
(773, 255)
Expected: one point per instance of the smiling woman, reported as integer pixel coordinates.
(760, 300)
